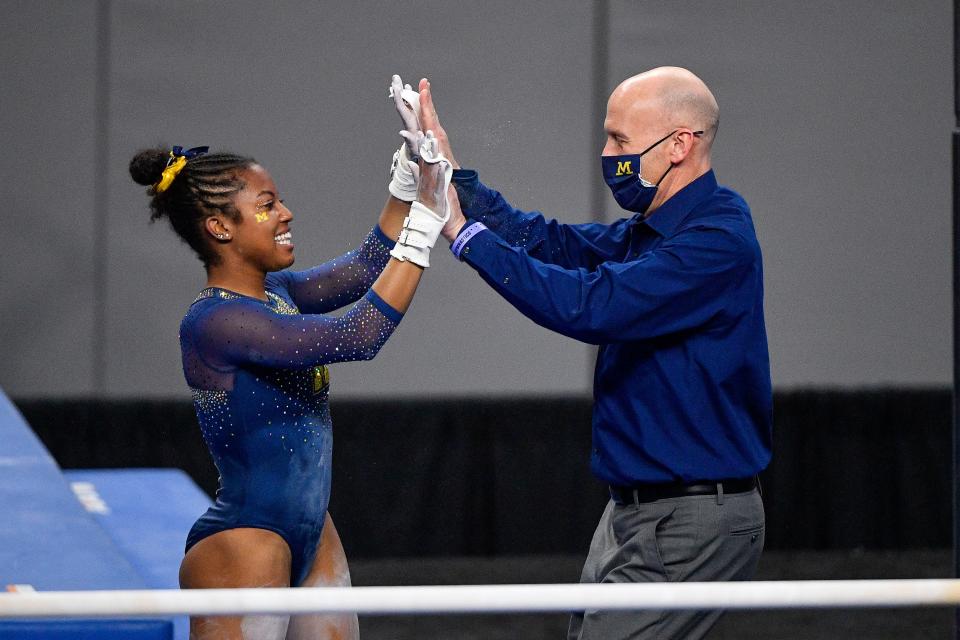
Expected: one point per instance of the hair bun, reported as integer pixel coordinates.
(147, 166)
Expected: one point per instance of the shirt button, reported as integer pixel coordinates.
(506, 280)
(466, 251)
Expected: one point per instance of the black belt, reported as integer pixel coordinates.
(652, 492)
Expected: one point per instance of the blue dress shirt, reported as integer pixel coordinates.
(675, 301)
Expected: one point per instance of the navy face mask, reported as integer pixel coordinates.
(622, 175)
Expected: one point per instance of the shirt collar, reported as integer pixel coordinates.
(671, 213)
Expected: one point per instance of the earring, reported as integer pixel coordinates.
(222, 236)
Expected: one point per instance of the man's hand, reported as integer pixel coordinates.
(430, 121)
(457, 220)
(431, 185)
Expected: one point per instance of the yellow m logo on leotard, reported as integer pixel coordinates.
(321, 378)
(624, 168)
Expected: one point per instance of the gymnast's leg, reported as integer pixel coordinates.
(329, 570)
(237, 558)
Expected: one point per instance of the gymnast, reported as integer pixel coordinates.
(256, 344)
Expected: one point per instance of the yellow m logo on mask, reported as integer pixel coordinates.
(624, 168)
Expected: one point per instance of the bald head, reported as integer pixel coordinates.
(658, 115)
(672, 96)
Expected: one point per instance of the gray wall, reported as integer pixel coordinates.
(835, 123)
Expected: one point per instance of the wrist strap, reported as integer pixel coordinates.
(464, 237)
(423, 226)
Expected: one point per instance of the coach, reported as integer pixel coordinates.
(673, 296)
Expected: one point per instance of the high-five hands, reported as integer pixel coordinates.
(456, 220)
(433, 198)
(430, 121)
(407, 102)
(435, 173)
(431, 211)
(403, 182)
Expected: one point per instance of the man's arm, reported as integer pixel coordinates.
(567, 245)
(571, 246)
(682, 284)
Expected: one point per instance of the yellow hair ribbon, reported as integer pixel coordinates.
(174, 165)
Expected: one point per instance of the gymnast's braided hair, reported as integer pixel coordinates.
(187, 186)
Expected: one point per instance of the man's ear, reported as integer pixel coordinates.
(681, 145)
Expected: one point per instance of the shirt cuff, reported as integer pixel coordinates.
(466, 233)
(392, 314)
(466, 181)
(486, 254)
(465, 175)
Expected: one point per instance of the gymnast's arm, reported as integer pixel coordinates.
(243, 331)
(344, 280)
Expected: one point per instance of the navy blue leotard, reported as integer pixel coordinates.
(260, 386)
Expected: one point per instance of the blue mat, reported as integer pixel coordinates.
(147, 513)
(48, 541)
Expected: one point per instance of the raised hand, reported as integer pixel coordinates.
(431, 209)
(407, 102)
(430, 121)
(433, 181)
(403, 181)
(456, 220)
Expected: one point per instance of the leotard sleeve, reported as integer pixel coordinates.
(238, 332)
(340, 281)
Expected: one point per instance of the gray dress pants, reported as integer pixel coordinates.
(693, 538)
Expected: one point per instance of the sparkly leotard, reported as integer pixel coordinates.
(260, 386)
